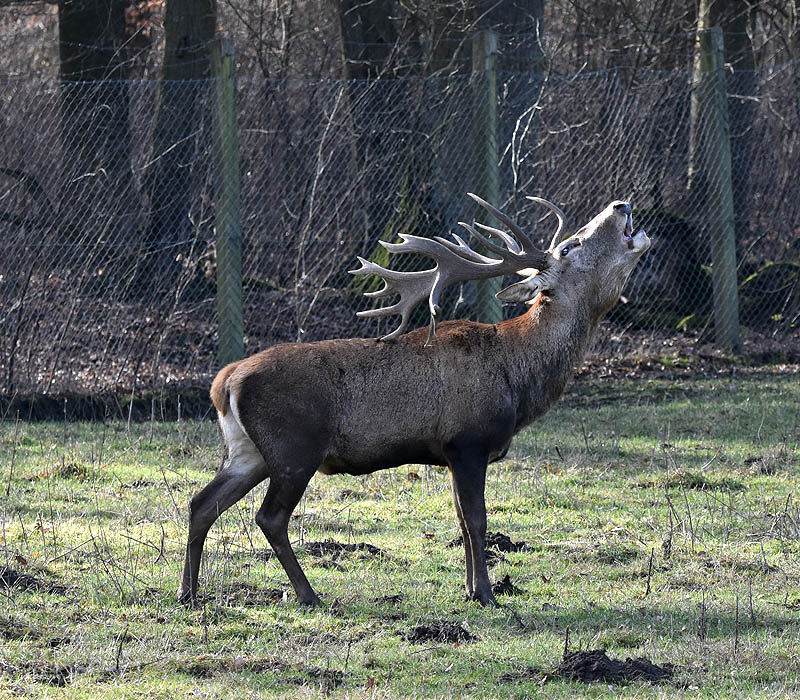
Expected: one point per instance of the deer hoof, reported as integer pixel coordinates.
(309, 603)
(484, 599)
(186, 598)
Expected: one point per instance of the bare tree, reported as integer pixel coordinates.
(736, 20)
(189, 27)
(95, 128)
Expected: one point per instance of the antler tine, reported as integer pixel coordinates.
(562, 219)
(491, 245)
(462, 249)
(511, 244)
(524, 240)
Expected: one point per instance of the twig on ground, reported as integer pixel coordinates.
(649, 572)
(13, 456)
(750, 598)
(121, 641)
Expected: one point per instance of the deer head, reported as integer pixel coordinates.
(592, 265)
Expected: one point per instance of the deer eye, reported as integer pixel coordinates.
(567, 247)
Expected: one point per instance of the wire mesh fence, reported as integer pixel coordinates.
(108, 200)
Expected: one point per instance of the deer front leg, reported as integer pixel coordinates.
(468, 584)
(468, 473)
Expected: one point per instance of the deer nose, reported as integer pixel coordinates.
(623, 208)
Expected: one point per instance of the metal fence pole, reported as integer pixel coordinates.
(487, 175)
(228, 209)
(711, 130)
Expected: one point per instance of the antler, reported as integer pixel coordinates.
(455, 262)
(562, 220)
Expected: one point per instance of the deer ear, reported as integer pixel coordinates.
(522, 291)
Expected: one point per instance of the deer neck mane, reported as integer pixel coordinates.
(546, 345)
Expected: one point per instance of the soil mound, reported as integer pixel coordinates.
(11, 578)
(448, 632)
(495, 540)
(595, 665)
(336, 549)
(506, 587)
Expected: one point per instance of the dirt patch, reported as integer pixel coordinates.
(11, 578)
(506, 587)
(12, 629)
(595, 665)
(392, 599)
(334, 550)
(70, 470)
(529, 673)
(496, 543)
(329, 564)
(246, 594)
(447, 632)
(693, 481)
(199, 670)
(288, 674)
(503, 543)
(616, 554)
(43, 672)
(327, 678)
(493, 557)
(749, 567)
(495, 540)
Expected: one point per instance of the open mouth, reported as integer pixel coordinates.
(628, 235)
(639, 243)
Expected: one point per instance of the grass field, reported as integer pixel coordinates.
(660, 518)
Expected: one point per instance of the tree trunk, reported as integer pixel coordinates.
(735, 20)
(733, 17)
(367, 34)
(189, 27)
(95, 126)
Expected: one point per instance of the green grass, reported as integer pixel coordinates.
(702, 476)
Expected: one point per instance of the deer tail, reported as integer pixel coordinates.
(219, 389)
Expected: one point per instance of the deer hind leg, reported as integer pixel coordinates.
(283, 495)
(242, 469)
(468, 474)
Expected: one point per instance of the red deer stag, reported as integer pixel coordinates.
(455, 399)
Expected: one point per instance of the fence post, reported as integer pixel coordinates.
(712, 173)
(227, 217)
(487, 172)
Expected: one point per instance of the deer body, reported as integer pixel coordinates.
(359, 405)
(343, 395)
